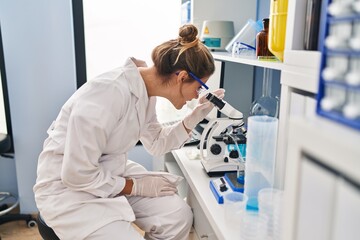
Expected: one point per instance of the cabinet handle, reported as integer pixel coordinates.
(203, 236)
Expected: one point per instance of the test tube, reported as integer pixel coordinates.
(352, 108)
(353, 76)
(335, 69)
(333, 99)
(340, 7)
(339, 35)
(354, 41)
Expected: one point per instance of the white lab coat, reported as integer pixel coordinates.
(84, 159)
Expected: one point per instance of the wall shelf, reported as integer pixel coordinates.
(248, 60)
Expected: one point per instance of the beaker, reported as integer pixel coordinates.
(234, 206)
(266, 104)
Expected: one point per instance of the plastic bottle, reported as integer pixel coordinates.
(262, 49)
(277, 27)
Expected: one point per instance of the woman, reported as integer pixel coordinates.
(86, 188)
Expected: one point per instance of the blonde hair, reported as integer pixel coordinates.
(186, 52)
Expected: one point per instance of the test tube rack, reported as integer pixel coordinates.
(338, 96)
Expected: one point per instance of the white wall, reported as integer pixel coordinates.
(116, 30)
(40, 65)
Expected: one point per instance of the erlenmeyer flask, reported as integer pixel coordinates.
(266, 104)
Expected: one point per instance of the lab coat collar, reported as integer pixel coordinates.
(137, 87)
(136, 82)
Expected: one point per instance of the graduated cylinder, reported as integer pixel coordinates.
(260, 157)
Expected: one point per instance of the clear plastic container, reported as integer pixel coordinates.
(246, 36)
(270, 205)
(253, 226)
(235, 207)
(277, 27)
(242, 49)
(260, 157)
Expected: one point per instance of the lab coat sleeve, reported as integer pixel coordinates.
(91, 121)
(159, 140)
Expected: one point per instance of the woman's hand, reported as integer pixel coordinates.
(152, 186)
(203, 108)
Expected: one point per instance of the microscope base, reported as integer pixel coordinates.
(218, 167)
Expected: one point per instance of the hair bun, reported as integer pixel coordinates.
(187, 33)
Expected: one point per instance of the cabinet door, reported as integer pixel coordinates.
(297, 104)
(202, 226)
(347, 211)
(316, 202)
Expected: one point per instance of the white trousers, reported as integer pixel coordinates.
(161, 218)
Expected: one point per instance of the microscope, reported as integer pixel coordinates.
(222, 143)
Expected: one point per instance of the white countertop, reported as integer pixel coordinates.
(188, 159)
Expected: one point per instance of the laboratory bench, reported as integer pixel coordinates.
(322, 182)
(209, 216)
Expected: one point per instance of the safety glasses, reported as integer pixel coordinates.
(203, 87)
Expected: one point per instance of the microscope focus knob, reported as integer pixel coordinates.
(234, 154)
(215, 149)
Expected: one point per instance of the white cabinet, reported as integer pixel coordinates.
(322, 191)
(315, 202)
(326, 201)
(347, 211)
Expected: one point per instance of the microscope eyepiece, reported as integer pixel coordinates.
(224, 107)
(215, 100)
